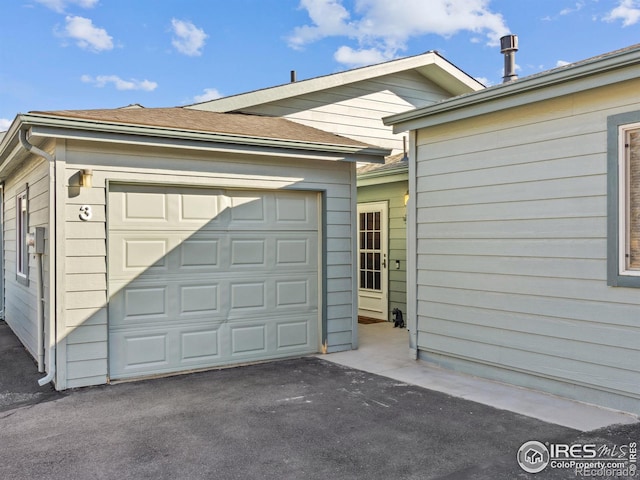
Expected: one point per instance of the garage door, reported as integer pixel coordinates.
(202, 277)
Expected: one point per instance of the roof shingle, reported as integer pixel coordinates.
(210, 122)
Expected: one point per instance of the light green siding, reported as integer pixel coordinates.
(511, 227)
(20, 299)
(85, 282)
(85, 316)
(393, 193)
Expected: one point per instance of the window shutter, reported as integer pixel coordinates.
(634, 199)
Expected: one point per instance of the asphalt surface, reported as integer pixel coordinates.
(303, 418)
(19, 375)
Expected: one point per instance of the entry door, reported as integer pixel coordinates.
(372, 260)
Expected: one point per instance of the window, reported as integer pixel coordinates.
(22, 227)
(370, 250)
(623, 168)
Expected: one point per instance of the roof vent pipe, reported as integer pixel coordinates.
(293, 76)
(509, 47)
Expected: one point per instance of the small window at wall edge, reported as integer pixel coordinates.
(22, 229)
(623, 200)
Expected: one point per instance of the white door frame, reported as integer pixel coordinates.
(373, 260)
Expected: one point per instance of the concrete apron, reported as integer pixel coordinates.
(384, 350)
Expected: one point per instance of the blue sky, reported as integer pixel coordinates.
(81, 54)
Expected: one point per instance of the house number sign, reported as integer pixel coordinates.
(85, 213)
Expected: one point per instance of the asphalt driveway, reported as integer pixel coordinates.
(303, 418)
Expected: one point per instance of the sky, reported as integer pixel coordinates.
(85, 54)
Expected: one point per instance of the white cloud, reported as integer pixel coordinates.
(348, 56)
(188, 39)
(484, 80)
(562, 63)
(209, 94)
(61, 5)
(329, 17)
(5, 123)
(119, 83)
(627, 10)
(569, 10)
(87, 35)
(387, 26)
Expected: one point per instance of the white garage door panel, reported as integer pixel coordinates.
(155, 253)
(208, 209)
(191, 301)
(198, 299)
(158, 208)
(148, 351)
(283, 210)
(202, 277)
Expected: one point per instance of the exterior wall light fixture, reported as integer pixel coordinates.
(406, 200)
(86, 178)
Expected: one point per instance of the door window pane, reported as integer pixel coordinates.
(370, 244)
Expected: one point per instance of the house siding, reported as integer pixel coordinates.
(356, 110)
(85, 279)
(85, 315)
(21, 300)
(393, 193)
(512, 245)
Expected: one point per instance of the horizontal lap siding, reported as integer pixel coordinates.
(511, 213)
(85, 283)
(21, 300)
(339, 274)
(356, 110)
(86, 266)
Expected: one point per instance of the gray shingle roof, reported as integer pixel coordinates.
(392, 163)
(210, 122)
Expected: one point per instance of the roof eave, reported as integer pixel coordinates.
(42, 127)
(430, 64)
(449, 77)
(580, 77)
(10, 138)
(376, 177)
(98, 126)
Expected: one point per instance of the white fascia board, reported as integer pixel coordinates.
(10, 159)
(12, 153)
(449, 77)
(10, 138)
(429, 64)
(396, 176)
(72, 129)
(555, 83)
(401, 167)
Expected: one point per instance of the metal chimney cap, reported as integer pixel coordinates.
(509, 43)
